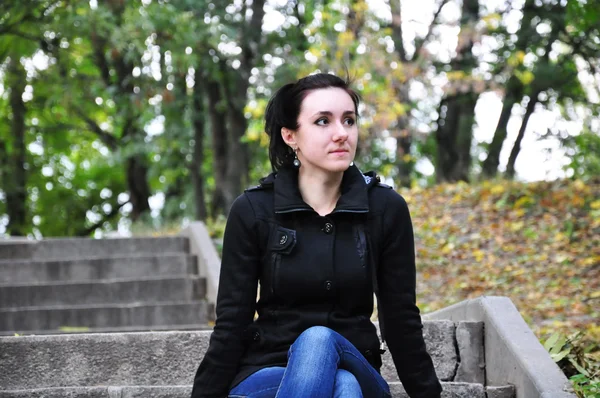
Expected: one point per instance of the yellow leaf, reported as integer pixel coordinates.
(595, 205)
(479, 255)
(497, 189)
(345, 39)
(524, 201)
(520, 212)
(526, 77)
(516, 226)
(455, 75)
(579, 185)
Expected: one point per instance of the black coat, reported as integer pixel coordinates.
(315, 270)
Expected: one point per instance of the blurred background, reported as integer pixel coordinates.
(132, 118)
(123, 114)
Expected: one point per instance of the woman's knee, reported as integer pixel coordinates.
(317, 335)
(346, 385)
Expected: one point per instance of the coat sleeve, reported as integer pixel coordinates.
(401, 318)
(236, 302)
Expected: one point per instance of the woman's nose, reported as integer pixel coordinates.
(341, 131)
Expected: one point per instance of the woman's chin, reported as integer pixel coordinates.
(339, 166)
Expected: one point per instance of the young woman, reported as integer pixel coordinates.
(321, 238)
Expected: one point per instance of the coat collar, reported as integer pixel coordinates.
(354, 197)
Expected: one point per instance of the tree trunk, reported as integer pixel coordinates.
(403, 134)
(236, 86)
(397, 29)
(198, 153)
(137, 182)
(457, 112)
(218, 125)
(514, 94)
(510, 167)
(15, 178)
(237, 162)
(404, 163)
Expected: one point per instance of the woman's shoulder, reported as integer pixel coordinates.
(382, 195)
(258, 198)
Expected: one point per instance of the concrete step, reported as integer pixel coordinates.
(451, 390)
(151, 358)
(118, 291)
(76, 248)
(122, 329)
(149, 315)
(107, 267)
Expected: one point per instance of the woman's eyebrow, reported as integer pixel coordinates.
(328, 113)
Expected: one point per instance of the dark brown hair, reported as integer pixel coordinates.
(284, 107)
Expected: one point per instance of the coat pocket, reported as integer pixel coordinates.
(284, 241)
(282, 244)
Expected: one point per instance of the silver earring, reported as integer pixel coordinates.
(351, 163)
(296, 160)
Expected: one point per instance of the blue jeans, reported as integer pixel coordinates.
(321, 364)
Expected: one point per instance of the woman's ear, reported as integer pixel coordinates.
(289, 136)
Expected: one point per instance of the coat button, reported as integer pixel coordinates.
(328, 228)
(328, 285)
(283, 239)
(255, 336)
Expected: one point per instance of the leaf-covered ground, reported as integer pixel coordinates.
(536, 243)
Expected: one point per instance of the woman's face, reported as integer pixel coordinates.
(327, 134)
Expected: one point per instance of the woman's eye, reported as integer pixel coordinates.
(321, 122)
(349, 121)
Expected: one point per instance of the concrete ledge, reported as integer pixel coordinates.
(74, 248)
(469, 341)
(117, 291)
(209, 263)
(451, 390)
(22, 320)
(106, 267)
(500, 392)
(439, 340)
(513, 354)
(168, 358)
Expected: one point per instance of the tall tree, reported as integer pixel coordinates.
(14, 173)
(403, 134)
(457, 110)
(513, 91)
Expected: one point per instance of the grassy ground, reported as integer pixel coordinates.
(536, 243)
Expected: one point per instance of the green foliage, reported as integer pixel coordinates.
(577, 362)
(584, 154)
(115, 80)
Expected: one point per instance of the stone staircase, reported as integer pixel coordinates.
(163, 364)
(87, 285)
(155, 295)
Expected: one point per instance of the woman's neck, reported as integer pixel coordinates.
(320, 191)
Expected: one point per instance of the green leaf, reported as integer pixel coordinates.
(551, 342)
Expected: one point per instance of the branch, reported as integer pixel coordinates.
(127, 127)
(421, 43)
(98, 44)
(251, 38)
(397, 34)
(115, 210)
(21, 35)
(108, 139)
